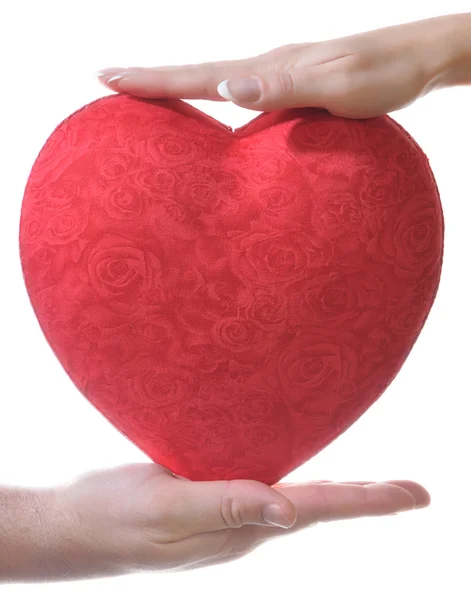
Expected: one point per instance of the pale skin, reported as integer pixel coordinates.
(142, 517)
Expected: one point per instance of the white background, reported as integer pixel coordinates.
(417, 430)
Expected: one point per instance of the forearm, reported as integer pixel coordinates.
(446, 47)
(40, 541)
(31, 532)
(44, 538)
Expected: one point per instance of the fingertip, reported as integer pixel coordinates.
(389, 496)
(421, 495)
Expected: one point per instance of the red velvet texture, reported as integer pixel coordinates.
(231, 301)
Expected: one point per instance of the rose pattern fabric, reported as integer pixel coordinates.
(231, 301)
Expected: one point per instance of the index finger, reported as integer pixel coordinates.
(193, 81)
(316, 503)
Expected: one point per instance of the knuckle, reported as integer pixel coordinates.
(231, 512)
(284, 83)
(278, 51)
(326, 510)
(287, 48)
(291, 56)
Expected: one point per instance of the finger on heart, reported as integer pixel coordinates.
(198, 81)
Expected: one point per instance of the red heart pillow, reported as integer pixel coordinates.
(231, 301)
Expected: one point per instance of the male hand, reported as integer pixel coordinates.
(142, 517)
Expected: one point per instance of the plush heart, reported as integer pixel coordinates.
(231, 301)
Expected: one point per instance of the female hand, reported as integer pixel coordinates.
(143, 517)
(359, 76)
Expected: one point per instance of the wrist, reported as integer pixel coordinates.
(446, 51)
(79, 544)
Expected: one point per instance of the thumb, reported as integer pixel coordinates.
(247, 83)
(276, 90)
(206, 506)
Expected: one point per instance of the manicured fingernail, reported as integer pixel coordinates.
(274, 515)
(119, 76)
(240, 89)
(110, 71)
